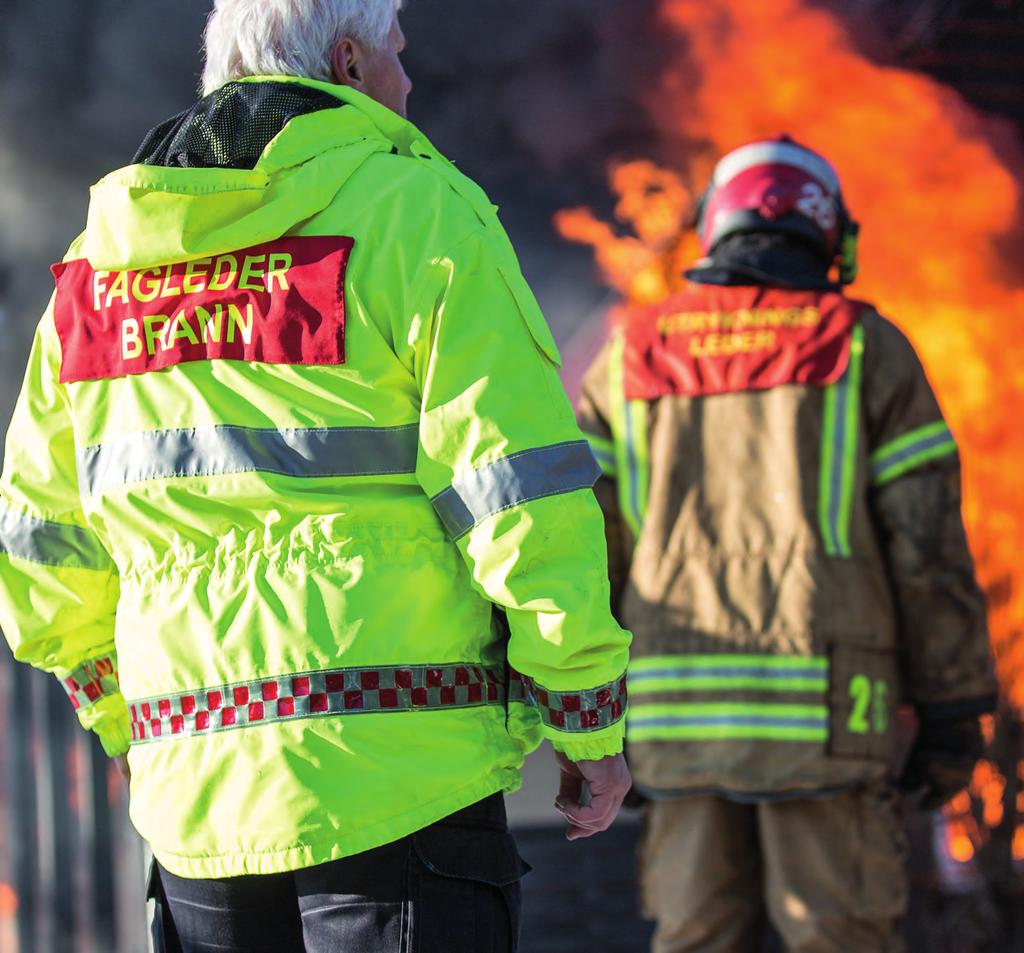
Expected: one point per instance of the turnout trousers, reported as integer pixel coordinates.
(828, 873)
(452, 887)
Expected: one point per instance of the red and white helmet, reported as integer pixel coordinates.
(775, 185)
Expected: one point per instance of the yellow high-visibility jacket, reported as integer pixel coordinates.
(291, 431)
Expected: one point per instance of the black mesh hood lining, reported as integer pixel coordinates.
(231, 127)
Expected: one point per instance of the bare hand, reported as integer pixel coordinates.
(122, 767)
(601, 784)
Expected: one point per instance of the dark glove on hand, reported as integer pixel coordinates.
(942, 760)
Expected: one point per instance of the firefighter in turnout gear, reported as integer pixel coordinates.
(782, 499)
(296, 509)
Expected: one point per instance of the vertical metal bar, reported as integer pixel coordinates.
(59, 747)
(24, 819)
(99, 850)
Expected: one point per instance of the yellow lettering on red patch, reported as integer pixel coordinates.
(131, 341)
(237, 306)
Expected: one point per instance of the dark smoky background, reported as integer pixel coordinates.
(530, 98)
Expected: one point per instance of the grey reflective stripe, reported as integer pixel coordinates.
(517, 478)
(52, 544)
(210, 451)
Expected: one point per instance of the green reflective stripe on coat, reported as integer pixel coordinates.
(51, 544)
(629, 429)
(702, 673)
(912, 450)
(513, 480)
(840, 436)
(604, 452)
(727, 721)
(212, 451)
(90, 680)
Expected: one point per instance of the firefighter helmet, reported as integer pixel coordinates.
(778, 185)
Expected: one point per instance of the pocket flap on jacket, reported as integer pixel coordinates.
(534, 318)
(482, 855)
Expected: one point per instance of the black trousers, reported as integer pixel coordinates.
(452, 887)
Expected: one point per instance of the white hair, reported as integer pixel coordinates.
(287, 37)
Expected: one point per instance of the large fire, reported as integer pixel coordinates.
(938, 190)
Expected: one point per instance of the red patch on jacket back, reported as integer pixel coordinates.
(282, 302)
(714, 340)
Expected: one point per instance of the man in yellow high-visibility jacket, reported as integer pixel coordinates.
(296, 509)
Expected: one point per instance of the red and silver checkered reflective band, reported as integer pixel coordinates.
(93, 679)
(574, 711)
(340, 691)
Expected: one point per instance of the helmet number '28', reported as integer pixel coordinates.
(870, 706)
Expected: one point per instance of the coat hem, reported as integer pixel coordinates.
(332, 846)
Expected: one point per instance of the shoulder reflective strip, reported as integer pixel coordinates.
(728, 722)
(338, 691)
(515, 479)
(52, 544)
(90, 681)
(588, 710)
(211, 451)
(839, 452)
(629, 430)
(604, 453)
(910, 451)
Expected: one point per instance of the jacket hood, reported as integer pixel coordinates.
(146, 214)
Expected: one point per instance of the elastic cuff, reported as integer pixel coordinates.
(592, 746)
(108, 718)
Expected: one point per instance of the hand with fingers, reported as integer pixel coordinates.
(591, 793)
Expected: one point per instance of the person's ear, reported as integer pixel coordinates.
(346, 64)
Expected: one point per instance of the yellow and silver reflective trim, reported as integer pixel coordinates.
(712, 673)
(840, 438)
(50, 543)
(515, 479)
(212, 451)
(604, 453)
(912, 450)
(629, 431)
(705, 721)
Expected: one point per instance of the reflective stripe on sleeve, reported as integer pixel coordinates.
(839, 443)
(92, 680)
(212, 451)
(911, 451)
(716, 673)
(52, 544)
(604, 453)
(517, 478)
(629, 428)
(338, 691)
(588, 710)
(727, 721)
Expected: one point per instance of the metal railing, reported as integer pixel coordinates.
(71, 866)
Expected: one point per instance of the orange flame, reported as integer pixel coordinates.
(937, 187)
